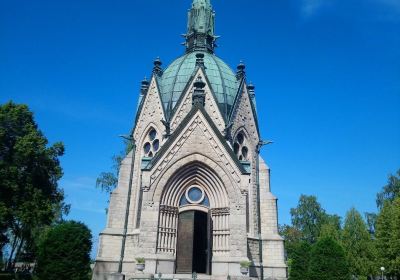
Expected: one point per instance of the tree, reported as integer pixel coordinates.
(331, 227)
(389, 192)
(300, 261)
(292, 237)
(29, 171)
(358, 245)
(388, 237)
(107, 181)
(64, 252)
(328, 261)
(308, 218)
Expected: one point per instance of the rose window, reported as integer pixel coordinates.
(194, 195)
(240, 147)
(152, 143)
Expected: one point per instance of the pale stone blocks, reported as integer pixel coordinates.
(196, 145)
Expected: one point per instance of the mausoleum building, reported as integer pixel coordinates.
(194, 194)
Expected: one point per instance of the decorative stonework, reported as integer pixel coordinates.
(244, 121)
(211, 106)
(221, 231)
(198, 125)
(243, 117)
(151, 113)
(167, 229)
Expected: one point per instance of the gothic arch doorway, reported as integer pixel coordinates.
(194, 242)
(197, 189)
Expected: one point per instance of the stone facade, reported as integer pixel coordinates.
(207, 140)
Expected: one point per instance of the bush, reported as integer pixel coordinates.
(6, 276)
(63, 252)
(328, 261)
(300, 261)
(16, 276)
(245, 264)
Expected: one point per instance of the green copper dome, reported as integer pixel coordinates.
(177, 75)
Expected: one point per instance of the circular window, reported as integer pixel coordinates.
(194, 195)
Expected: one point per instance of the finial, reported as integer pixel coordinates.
(157, 70)
(200, 28)
(200, 59)
(199, 96)
(240, 70)
(157, 61)
(145, 86)
(250, 89)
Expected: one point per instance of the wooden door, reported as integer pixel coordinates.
(184, 254)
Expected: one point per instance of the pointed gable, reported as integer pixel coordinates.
(244, 115)
(185, 103)
(196, 134)
(150, 111)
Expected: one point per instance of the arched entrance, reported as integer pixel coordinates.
(194, 242)
(194, 224)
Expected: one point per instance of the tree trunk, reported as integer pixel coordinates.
(19, 249)
(14, 245)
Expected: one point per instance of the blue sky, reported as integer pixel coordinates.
(327, 77)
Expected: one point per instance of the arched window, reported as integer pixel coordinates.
(151, 143)
(194, 195)
(240, 147)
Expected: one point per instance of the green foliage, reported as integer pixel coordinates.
(388, 237)
(367, 245)
(330, 227)
(328, 261)
(328, 230)
(15, 276)
(292, 237)
(245, 264)
(140, 260)
(390, 192)
(64, 252)
(300, 261)
(358, 245)
(29, 170)
(107, 181)
(6, 276)
(309, 217)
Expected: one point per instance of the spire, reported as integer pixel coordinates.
(200, 29)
